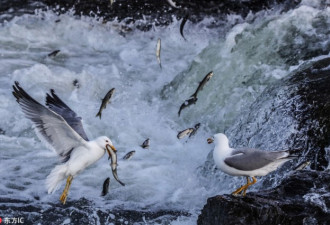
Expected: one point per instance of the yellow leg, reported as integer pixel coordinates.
(239, 190)
(245, 187)
(248, 184)
(254, 180)
(66, 189)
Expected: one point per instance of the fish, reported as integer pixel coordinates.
(146, 143)
(54, 53)
(196, 127)
(129, 155)
(76, 83)
(202, 83)
(113, 165)
(105, 101)
(158, 52)
(188, 131)
(188, 102)
(302, 165)
(105, 189)
(184, 20)
(172, 4)
(184, 133)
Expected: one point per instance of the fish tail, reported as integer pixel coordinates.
(98, 115)
(55, 178)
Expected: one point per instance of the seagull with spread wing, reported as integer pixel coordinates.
(60, 127)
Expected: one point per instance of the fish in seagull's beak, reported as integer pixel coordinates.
(110, 149)
(111, 146)
(210, 140)
(113, 156)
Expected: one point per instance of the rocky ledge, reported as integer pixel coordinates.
(81, 211)
(301, 198)
(144, 14)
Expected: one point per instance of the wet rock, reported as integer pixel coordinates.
(291, 114)
(301, 198)
(146, 13)
(81, 211)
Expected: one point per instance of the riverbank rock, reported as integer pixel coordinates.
(301, 198)
(80, 211)
(145, 14)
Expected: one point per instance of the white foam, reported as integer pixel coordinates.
(163, 177)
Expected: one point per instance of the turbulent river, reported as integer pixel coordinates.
(246, 55)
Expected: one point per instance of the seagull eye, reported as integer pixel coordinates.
(106, 141)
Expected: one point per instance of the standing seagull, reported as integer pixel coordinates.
(60, 127)
(246, 162)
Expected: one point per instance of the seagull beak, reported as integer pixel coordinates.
(111, 147)
(210, 140)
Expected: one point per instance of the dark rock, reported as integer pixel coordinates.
(81, 211)
(301, 198)
(291, 114)
(146, 13)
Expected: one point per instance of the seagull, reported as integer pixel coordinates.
(246, 161)
(61, 128)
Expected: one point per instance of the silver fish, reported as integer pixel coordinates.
(106, 184)
(184, 133)
(302, 165)
(146, 143)
(105, 101)
(113, 165)
(202, 83)
(158, 52)
(196, 127)
(188, 102)
(172, 4)
(129, 155)
(54, 53)
(184, 20)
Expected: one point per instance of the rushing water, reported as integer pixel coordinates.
(246, 56)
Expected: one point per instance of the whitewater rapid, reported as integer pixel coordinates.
(245, 56)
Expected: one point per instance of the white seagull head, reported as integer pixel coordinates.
(220, 140)
(105, 143)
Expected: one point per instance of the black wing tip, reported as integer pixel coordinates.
(18, 91)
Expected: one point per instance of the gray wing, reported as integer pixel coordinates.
(252, 159)
(51, 126)
(57, 105)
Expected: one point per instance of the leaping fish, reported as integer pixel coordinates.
(172, 4)
(158, 52)
(146, 143)
(106, 184)
(184, 20)
(184, 133)
(113, 165)
(202, 83)
(129, 155)
(54, 53)
(188, 102)
(105, 101)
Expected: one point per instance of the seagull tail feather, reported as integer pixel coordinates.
(55, 178)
